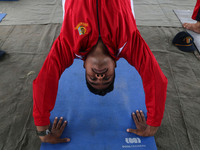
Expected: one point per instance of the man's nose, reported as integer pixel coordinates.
(100, 76)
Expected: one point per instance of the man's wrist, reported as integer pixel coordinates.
(43, 133)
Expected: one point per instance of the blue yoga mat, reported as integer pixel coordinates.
(96, 122)
(2, 15)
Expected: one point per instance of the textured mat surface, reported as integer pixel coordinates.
(25, 56)
(28, 45)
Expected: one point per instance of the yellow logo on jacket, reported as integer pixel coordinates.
(81, 27)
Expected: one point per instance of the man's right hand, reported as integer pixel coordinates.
(56, 131)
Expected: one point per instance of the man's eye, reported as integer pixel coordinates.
(106, 78)
(93, 79)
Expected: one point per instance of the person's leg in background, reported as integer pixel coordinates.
(196, 16)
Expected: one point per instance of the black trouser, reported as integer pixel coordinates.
(198, 16)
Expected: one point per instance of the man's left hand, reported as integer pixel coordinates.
(142, 128)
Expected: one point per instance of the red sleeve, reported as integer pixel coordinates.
(138, 54)
(196, 15)
(45, 86)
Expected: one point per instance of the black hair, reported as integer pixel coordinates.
(101, 92)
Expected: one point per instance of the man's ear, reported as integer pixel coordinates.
(115, 64)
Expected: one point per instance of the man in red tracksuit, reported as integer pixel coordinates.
(99, 32)
(196, 16)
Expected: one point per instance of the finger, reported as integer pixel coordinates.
(59, 123)
(139, 116)
(142, 115)
(184, 25)
(63, 126)
(134, 118)
(54, 123)
(136, 131)
(64, 140)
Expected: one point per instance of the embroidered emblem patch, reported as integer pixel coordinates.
(82, 28)
(188, 39)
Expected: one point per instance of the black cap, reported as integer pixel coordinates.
(184, 41)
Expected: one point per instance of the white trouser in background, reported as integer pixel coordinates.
(132, 7)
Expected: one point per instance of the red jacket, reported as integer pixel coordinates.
(84, 21)
(196, 12)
